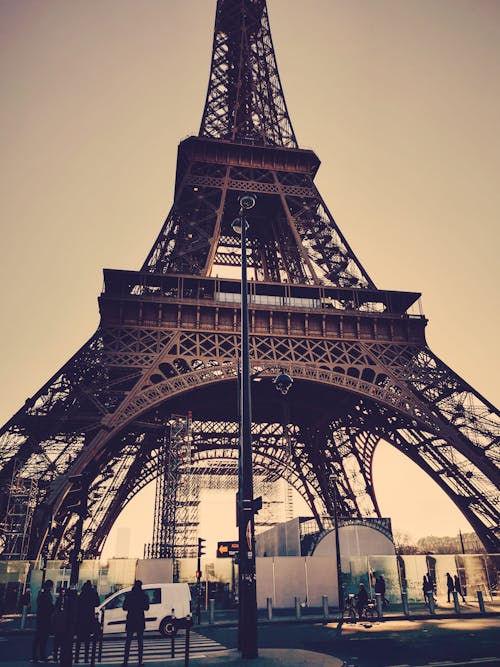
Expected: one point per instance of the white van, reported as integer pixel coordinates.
(169, 609)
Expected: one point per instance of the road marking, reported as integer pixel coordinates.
(160, 650)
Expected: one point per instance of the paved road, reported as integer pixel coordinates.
(387, 644)
(435, 643)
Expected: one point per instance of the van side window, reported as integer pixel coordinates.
(154, 595)
(117, 602)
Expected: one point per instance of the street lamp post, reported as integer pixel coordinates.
(246, 504)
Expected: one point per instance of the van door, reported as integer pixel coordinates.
(153, 616)
(114, 614)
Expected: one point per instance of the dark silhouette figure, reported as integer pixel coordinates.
(88, 600)
(380, 588)
(449, 584)
(458, 587)
(135, 604)
(362, 599)
(426, 588)
(44, 611)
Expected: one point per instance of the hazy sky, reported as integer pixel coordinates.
(400, 99)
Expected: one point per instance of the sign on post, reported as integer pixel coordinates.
(227, 549)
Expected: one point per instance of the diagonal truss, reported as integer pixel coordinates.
(168, 343)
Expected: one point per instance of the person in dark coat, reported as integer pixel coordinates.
(362, 599)
(135, 604)
(449, 584)
(458, 587)
(380, 588)
(426, 587)
(88, 600)
(44, 611)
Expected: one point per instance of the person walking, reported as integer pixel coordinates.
(87, 601)
(44, 611)
(458, 587)
(135, 604)
(362, 599)
(380, 588)
(449, 584)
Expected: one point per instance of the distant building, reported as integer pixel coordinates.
(122, 542)
(301, 537)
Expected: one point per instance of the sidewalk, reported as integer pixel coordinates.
(9, 623)
(269, 657)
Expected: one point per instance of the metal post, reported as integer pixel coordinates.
(247, 577)
(269, 609)
(480, 600)
(101, 636)
(211, 611)
(297, 609)
(378, 599)
(340, 587)
(430, 600)
(186, 648)
(456, 603)
(326, 611)
(404, 600)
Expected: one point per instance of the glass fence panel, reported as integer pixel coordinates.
(386, 567)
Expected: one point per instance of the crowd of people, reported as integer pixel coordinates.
(70, 618)
(62, 620)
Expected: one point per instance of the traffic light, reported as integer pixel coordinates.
(201, 547)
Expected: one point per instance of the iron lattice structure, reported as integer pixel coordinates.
(168, 340)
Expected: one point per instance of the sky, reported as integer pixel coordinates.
(400, 100)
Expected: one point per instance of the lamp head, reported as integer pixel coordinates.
(247, 202)
(283, 382)
(236, 225)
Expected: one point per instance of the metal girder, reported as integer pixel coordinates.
(168, 340)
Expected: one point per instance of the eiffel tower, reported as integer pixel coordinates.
(168, 343)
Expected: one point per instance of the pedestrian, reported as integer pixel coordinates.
(135, 604)
(458, 587)
(380, 588)
(449, 584)
(426, 588)
(362, 599)
(44, 611)
(87, 601)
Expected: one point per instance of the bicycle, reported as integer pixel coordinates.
(349, 612)
(370, 611)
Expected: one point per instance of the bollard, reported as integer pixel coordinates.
(297, 608)
(326, 611)
(211, 611)
(455, 602)
(269, 609)
(430, 600)
(172, 646)
(23, 616)
(404, 600)
(101, 634)
(94, 648)
(378, 600)
(480, 600)
(186, 649)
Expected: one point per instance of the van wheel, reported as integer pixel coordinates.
(168, 628)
